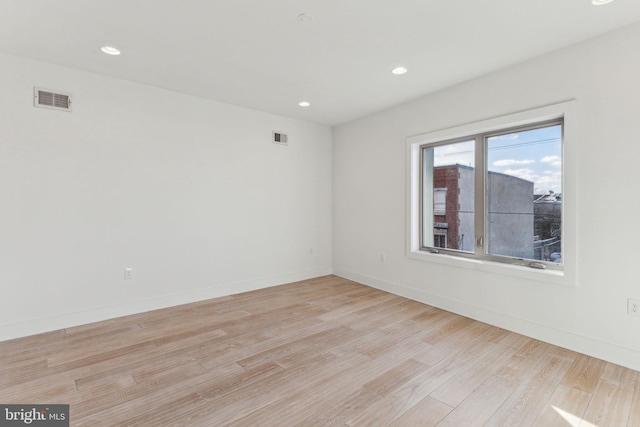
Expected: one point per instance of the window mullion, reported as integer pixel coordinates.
(479, 194)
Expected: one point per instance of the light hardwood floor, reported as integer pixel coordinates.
(325, 351)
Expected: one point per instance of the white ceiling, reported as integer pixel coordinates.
(257, 54)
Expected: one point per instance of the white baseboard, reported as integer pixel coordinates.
(83, 317)
(582, 344)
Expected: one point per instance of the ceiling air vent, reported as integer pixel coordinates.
(55, 100)
(279, 138)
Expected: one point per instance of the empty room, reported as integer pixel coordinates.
(301, 213)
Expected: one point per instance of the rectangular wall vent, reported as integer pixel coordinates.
(280, 138)
(55, 100)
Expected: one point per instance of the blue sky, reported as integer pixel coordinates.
(534, 155)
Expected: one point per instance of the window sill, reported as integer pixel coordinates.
(555, 277)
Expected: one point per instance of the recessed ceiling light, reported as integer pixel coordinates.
(110, 50)
(600, 2)
(304, 104)
(399, 70)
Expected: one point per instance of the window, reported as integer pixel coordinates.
(439, 201)
(448, 172)
(524, 193)
(440, 240)
(517, 174)
(494, 195)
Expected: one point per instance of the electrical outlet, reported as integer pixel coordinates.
(128, 273)
(633, 307)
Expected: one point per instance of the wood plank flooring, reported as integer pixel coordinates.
(325, 351)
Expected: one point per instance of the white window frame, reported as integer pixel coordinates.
(563, 110)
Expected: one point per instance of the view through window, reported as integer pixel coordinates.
(495, 195)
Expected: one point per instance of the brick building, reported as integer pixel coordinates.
(510, 218)
(453, 191)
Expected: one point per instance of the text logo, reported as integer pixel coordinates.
(34, 415)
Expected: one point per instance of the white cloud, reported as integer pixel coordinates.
(512, 162)
(459, 153)
(543, 181)
(552, 160)
(523, 173)
(549, 182)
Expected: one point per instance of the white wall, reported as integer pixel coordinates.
(190, 193)
(369, 180)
